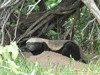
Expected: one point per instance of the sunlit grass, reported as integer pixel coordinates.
(27, 68)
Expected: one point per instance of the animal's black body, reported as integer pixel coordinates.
(65, 47)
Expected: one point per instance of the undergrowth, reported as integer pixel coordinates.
(12, 64)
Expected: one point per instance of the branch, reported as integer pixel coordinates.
(3, 27)
(93, 8)
(82, 33)
(8, 3)
(33, 25)
(15, 33)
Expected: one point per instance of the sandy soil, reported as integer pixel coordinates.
(48, 57)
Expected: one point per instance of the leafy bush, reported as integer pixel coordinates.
(8, 55)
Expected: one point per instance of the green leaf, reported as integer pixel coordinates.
(4, 53)
(13, 48)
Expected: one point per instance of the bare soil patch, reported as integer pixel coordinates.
(47, 57)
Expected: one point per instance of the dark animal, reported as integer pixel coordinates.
(65, 47)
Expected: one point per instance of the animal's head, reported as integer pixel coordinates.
(34, 44)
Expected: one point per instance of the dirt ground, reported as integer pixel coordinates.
(47, 57)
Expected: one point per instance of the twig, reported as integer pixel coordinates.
(33, 7)
(98, 31)
(3, 26)
(87, 26)
(5, 3)
(21, 53)
(71, 30)
(92, 31)
(5, 19)
(15, 33)
(8, 3)
(9, 35)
